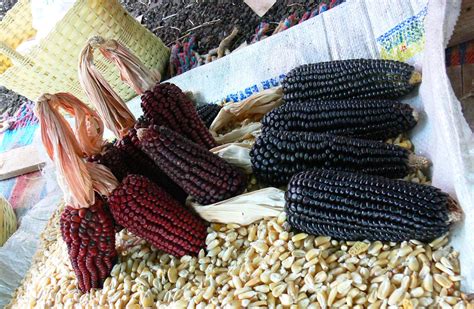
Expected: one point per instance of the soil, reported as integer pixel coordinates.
(209, 21)
(10, 101)
(5, 5)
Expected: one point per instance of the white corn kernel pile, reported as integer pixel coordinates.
(262, 265)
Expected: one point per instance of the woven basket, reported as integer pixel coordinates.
(7, 220)
(51, 66)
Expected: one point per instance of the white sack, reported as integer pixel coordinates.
(369, 29)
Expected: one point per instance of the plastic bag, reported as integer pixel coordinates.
(413, 31)
(17, 253)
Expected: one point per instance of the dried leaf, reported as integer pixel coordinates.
(111, 108)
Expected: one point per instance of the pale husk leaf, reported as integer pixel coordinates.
(244, 209)
(132, 71)
(78, 180)
(111, 108)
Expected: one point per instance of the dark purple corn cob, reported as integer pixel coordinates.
(113, 155)
(142, 122)
(139, 163)
(369, 119)
(276, 156)
(168, 106)
(353, 206)
(208, 113)
(90, 238)
(147, 211)
(354, 78)
(113, 158)
(202, 174)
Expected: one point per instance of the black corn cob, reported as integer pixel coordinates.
(113, 158)
(277, 156)
(139, 163)
(208, 113)
(369, 119)
(202, 174)
(353, 206)
(168, 106)
(354, 78)
(90, 238)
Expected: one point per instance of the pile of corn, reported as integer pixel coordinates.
(260, 265)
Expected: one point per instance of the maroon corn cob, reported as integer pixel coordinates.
(168, 106)
(147, 211)
(139, 163)
(202, 174)
(113, 158)
(90, 238)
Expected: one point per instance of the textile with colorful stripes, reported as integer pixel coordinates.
(460, 54)
(22, 130)
(25, 191)
(263, 29)
(184, 56)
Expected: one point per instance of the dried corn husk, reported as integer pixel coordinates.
(111, 108)
(132, 71)
(239, 134)
(237, 121)
(236, 154)
(78, 180)
(88, 127)
(245, 208)
(7, 220)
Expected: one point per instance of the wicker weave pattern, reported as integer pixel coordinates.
(7, 220)
(52, 65)
(15, 28)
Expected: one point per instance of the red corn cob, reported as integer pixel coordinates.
(168, 106)
(202, 174)
(90, 238)
(147, 211)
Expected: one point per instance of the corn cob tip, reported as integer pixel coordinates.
(418, 162)
(455, 211)
(415, 78)
(416, 115)
(141, 133)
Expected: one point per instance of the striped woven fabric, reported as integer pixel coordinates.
(460, 54)
(25, 191)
